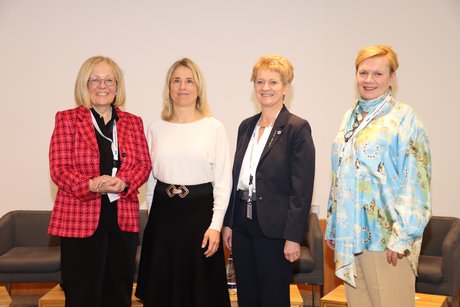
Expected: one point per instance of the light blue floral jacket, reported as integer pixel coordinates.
(382, 196)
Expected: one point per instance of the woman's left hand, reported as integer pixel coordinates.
(392, 257)
(107, 184)
(212, 239)
(291, 251)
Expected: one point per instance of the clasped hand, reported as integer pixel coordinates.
(106, 184)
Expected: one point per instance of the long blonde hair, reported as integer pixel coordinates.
(201, 105)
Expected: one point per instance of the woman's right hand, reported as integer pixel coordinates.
(227, 237)
(106, 184)
(331, 244)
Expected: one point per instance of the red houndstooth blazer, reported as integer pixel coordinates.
(74, 159)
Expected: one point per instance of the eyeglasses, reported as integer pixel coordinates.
(95, 82)
(358, 120)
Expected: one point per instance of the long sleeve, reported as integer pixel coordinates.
(222, 178)
(331, 218)
(65, 172)
(136, 171)
(302, 178)
(412, 209)
(151, 182)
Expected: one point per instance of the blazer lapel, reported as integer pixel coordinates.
(85, 127)
(277, 131)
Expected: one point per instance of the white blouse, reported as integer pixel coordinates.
(189, 154)
(252, 157)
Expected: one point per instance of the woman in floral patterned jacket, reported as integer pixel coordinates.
(380, 201)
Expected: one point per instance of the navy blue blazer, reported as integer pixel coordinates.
(284, 175)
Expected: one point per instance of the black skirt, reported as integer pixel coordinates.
(173, 270)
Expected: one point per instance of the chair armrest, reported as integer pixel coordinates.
(6, 233)
(451, 254)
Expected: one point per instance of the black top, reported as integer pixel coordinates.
(106, 161)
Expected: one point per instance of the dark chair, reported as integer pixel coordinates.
(439, 262)
(310, 269)
(27, 252)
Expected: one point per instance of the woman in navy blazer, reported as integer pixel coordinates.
(273, 174)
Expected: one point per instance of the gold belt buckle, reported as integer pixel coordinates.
(172, 191)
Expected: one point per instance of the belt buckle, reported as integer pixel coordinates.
(172, 191)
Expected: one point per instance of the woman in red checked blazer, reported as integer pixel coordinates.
(98, 159)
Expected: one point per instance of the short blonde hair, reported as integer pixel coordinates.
(378, 50)
(275, 63)
(202, 100)
(81, 93)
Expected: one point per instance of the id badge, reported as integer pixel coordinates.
(249, 210)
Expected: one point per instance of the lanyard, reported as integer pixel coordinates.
(114, 143)
(361, 126)
(114, 147)
(255, 134)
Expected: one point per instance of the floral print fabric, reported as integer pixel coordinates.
(381, 198)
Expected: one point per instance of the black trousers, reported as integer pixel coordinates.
(99, 270)
(262, 271)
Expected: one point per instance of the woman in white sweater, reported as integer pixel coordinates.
(182, 261)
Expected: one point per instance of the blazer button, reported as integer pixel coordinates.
(260, 198)
(123, 155)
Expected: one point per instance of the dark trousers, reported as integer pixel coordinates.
(262, 271)
(99, 270)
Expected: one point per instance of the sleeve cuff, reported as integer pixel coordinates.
(399, 245)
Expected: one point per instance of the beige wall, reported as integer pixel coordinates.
(43, 44)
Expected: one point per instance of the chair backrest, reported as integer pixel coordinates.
(31, 228)
(434, 235)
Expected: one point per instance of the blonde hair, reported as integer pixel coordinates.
(81, 93)
(201, 102)
(378, 50)
(275, 63)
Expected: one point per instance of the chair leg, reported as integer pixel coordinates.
(313, 295)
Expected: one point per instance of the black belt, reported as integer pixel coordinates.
(244, 195)
(182, 191)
